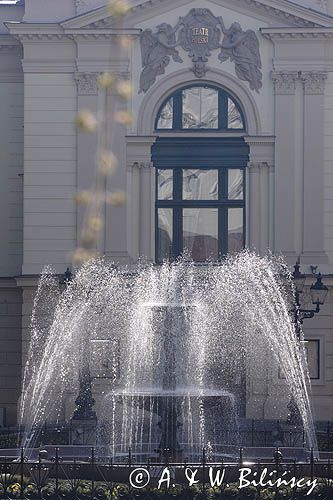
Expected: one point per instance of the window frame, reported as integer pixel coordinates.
(177, 106)
(318, 360)
(177, 204)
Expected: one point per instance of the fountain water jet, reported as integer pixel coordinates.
(189, 338)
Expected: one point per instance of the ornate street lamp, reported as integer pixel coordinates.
(318, 292)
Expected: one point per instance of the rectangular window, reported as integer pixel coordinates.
(235, 184)
(165, 184)
(164, 234)
(312, 349)
(200, 184)
(235, 230)
(200, 233)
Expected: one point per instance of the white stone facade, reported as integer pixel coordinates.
(50, 56)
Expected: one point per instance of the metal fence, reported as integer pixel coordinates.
(52, 477)
(252, 433)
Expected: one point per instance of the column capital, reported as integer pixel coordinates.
(256, 166)
(87, 83)
(143, 165)
(284, 81)
(314, 81)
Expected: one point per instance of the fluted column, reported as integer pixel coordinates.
(259, 210)
(313, 210)
(285, 106)
(260, 195)
(147, 210)
(141, 197)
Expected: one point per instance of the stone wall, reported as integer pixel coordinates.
(10, 348)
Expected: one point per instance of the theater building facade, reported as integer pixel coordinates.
(230, 147)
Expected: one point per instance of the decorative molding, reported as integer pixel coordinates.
(177, 79)
(11, 77)
(120, 68)
(143, 165)
(9, 44)
(105, 34)
(199, 33)
(48, 66)
(314, 82)
(81, 6)
(40, 37)
(285, 81)
(282, 10)
(87, 83)
(276, 34)
(257, 166)
(293, 13)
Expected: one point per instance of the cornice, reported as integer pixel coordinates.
(281, 9)
(48, 66)
(9, 44)
(274, 34)
(6, 283)
(11, 77)
(27, 281)
(260, 140)
(28, 32)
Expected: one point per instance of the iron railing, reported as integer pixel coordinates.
(52, 477)
(254, 433)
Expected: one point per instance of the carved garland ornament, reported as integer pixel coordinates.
(199, 33)
(87, 83)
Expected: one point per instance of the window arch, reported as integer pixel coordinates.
(200, 107)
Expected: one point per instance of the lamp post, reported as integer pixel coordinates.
(318, 292)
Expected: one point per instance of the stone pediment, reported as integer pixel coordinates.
(286, 13)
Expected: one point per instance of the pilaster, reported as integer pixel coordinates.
(260, 193)
(141, 193)
(87, 99)
(313, 210)
(285, 128)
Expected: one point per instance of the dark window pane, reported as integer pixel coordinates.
(200, 108)
(200, 184)
(200, 233)
(165, 119)
(235, 184)
(235, 230)
(234, 116)
(165, 225)
(164, 184)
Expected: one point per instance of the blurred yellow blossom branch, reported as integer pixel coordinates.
(87, 122)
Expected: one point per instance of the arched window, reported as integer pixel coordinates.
(200, 180)
(200, 107)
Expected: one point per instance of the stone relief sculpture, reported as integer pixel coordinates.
(156, 49)
(199, 33)
(242, 48)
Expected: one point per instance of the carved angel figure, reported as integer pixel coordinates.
(242, 47)
(156, 49)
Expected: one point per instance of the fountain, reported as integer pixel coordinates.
(172, 350)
